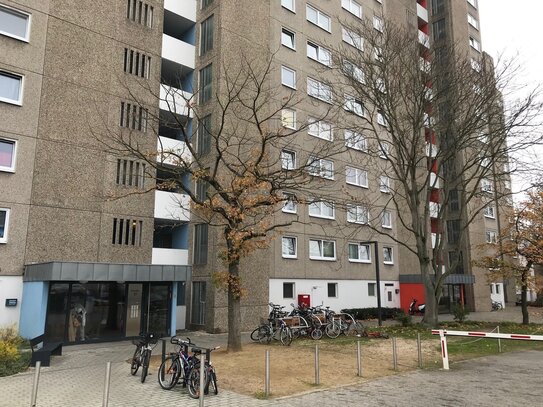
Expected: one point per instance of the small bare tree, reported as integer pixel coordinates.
(438, 118)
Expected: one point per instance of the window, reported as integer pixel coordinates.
(353, 72)
(384, 184)
(490, 211)
(491, 236)
(386, 219)
(332, 290)
(288, 77)
(439, 29)
(290, 205)
(319, 90)
(288, 160)
(357, 214)
(454, 200)
(371, 289)
(289, 247)
(352, 7)
(320, 129)
(11, 88)
(317, 17)
(473, 21)
(319, 54)
(288, 118)
(206, 3)
(438, 6)
(140, 12)
(7, 155)
(288, 4)
(288, 38)
(378, 23)
(359, 253)
(352, 38)
(453, 231)
(381, 118)
(137, 63)
(206, 78)
(181, 293)
(14, 23)
(355, 141)
(387, 255)
(201, 187)
(356, 176)
(133, 116)
(206, 35)
(4, 222)
(322, 209)
(130, 173)
(200, 243)
(378, 54)
(321, 167)
(354, 105)
(288, 290)
(127, 232)
(476, 45)
(497, 288)
(204, 135)
(476, 65)
(487, 185)
(473, 3)
(322, 249)
(384, 150)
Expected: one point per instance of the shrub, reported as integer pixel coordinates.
(460, 313)
(403, 318)
(371, 313)
(15, 353)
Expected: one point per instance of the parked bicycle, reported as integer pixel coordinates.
(273, 328)
(210, 378)
(142, 354)
(496, 306)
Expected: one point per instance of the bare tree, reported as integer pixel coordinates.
(438, 118)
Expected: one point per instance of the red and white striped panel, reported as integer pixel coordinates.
(488, 335)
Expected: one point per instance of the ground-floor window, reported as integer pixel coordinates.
(198, 302)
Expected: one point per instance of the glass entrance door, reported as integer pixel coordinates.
(158, 311)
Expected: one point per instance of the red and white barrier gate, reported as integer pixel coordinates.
(443, 333)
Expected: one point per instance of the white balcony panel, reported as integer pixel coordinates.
(171, 257)
(431, 150)
(171, 152)
(434, 209)
(169, 205)
(184, 8)
(434, 180)
(175, 100)
(424, 39)
(178, 51)
(434, 240)
(422, 13)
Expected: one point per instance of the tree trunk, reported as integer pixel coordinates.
(234, 321)
(430, 311)
(524, 298)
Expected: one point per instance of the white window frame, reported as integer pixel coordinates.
(353, 72)
(286, 70)
(286, 6)
(353, 105)
(384, 184)
(476, 65)
(473, 21)
(490, 212)
(315, 163)
(293, 289)
(321, 18)
(320, 128)
(335, 290)
(317, 209)
(322, 55)
(291, 35)
(361, 247)
(390, 250)
(13, 10)
(473, 3)
(384, 150)
(386, 219)
(290, 200)
(357, 214)
(14, 156)
(360, 175)
(319, 90)
(351, 6)
(4, 239)
(287, 255)
(286, 159)
(381, 120)
(378, 24)
(487, 185)
(475, 44)
(19, 101)
(288, 118)
(491, 236)
(356, 141)
(352, 38)
(373, 285)
(321, 250)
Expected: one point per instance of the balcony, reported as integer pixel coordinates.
(173, 257)
(431, 150)
(422, 13)
(424, 39)
(170, 205)
(434, 209)
(172, 152)
(178, 51)
(434, 180)
(175, 100)
(184, 8)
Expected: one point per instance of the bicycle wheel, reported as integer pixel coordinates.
(356, 329)
(265, 334)
(254, 335)
(213, 382)
(296, 332)
(145, 357)
(316, 334)
(193, 385)
(285, 336)
(169, 372)
(136, 361)
(332, 330)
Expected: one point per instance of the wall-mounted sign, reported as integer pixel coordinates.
(11, 302)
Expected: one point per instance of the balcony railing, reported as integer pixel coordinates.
(172, 152)
(424, 39)
(184, 8)
(178, 51)
(175, 100)
(173, 257)
(422, 13)
(170, 205)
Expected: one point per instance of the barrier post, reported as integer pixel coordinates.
(317, 373)
(105, 399)
(267, 373)
(202, 379)
(34, 395)
(394, 354)
(499, 340)
(358, 359)
(444, 352)
(419, 350)
(163, 350)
